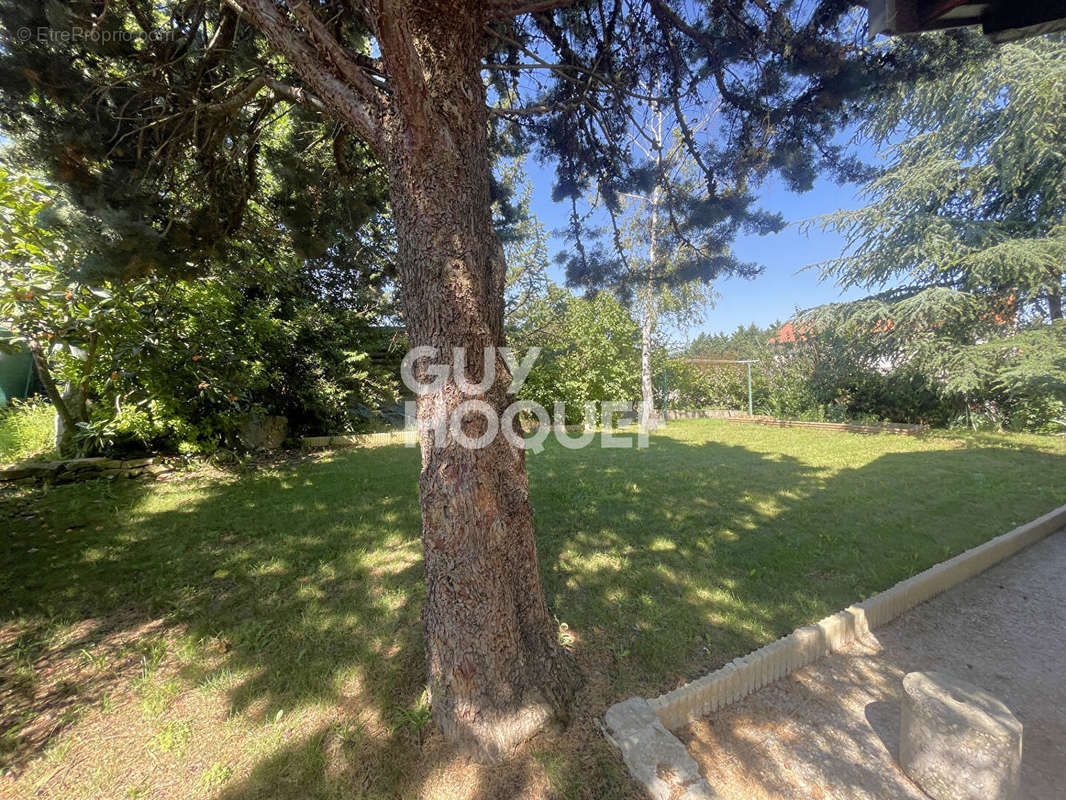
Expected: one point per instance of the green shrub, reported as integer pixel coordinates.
(188, 361)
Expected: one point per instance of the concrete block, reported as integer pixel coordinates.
(810, 643)
(787, 655)
(756, 664)
(726, 677)
(862, 624)
(744, 685)
(736, 689)
(876, 610)
(654, 756)
(774, 652)
(908, 594)
(773, 658)
(722, 679)
(629, 715)
(706, 694)
(830, 628)
(954, 570)
(957, 742)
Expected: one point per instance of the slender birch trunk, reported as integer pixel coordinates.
(647, 326)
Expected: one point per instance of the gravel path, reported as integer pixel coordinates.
(831, 730)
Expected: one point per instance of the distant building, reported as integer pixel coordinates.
(791, 332)
(794, 331)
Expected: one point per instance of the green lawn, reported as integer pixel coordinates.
(257, 635)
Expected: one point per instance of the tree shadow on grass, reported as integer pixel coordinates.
(294, 592)
(305, 585)
(676, 559)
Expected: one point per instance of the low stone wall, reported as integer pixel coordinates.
(405, 436)
(701, 413)
(82, 469)
(360, 439)
(395, 437)
(905, 430)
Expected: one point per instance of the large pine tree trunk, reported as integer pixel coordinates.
(495, 671)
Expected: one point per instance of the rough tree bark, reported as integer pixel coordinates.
(496, 672)
(66, 419)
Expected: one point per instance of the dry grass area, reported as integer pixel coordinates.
(118, 721)
(293, 671)
(257, 635)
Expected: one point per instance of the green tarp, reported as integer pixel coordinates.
(17, 378)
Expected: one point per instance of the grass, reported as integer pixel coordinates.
(258, 635)
(27, 430)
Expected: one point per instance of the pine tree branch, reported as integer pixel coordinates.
(346, 99)
(341, 59)
(533, 110)
(505, 9)
(401, 57)
(568, 70)
(296, 95)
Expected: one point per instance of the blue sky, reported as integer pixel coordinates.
(781, 289)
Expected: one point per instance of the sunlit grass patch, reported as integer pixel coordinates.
(27, 430)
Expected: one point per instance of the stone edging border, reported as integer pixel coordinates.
(81, 469)
(358, 439)
(399, 436)
(700, 413)
(641, 728)
(850, 427)
(762, 419)
(405, 437)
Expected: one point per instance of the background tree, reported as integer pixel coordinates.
(806, 373)
(965, 225)
(47, 311)
(158, 127)
(660, 269)
(1016, 381)
(590, 353)
(187, 364)
(525, 248)
(964, 235)
(293, 315)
